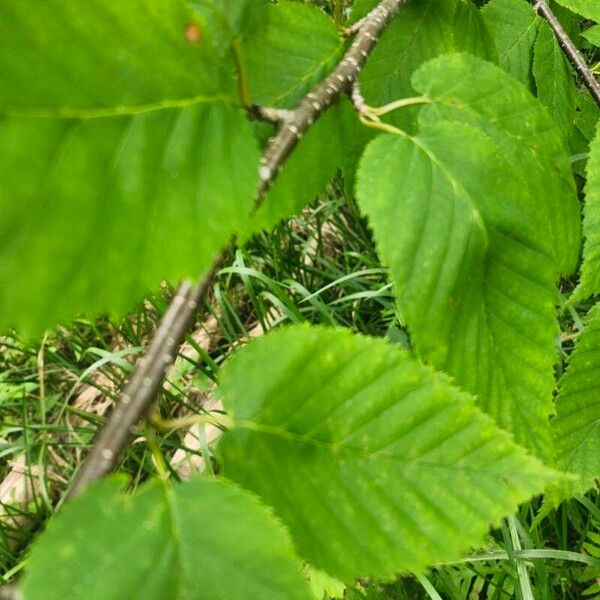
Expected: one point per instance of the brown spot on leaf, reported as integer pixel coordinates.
(193, 33)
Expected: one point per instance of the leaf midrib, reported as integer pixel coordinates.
(353, 452)
(457, 188)
(110, 111)
(462, 192)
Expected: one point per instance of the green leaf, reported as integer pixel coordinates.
(105, 209)
(589, 282)
(590, 9)
(110, 184)
(471, 32)
(465, 89)
(361, 8)
(200, 540)
(577, 422)
(323, 586)
(514, 27)
(374, 462)
(592, 35)
(139, 53)
(295, 50)
(238, 17)
(554, 81)
(587, 115)
(472, 268)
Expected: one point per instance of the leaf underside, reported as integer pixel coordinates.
(586, 8)
(115, 206)
(141, 176)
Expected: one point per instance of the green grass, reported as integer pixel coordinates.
(322, 268)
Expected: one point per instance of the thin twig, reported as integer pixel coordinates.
(145, 383)
(147, 379)
(357, 99)
(569, 49)
(276, 116)
(354, 28)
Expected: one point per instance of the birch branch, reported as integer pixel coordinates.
(145, 383)
(569, 49)
(326, 93)
(147, 379)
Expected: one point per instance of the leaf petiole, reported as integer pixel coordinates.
(372, 121)
(392, 106)
(217, 419)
